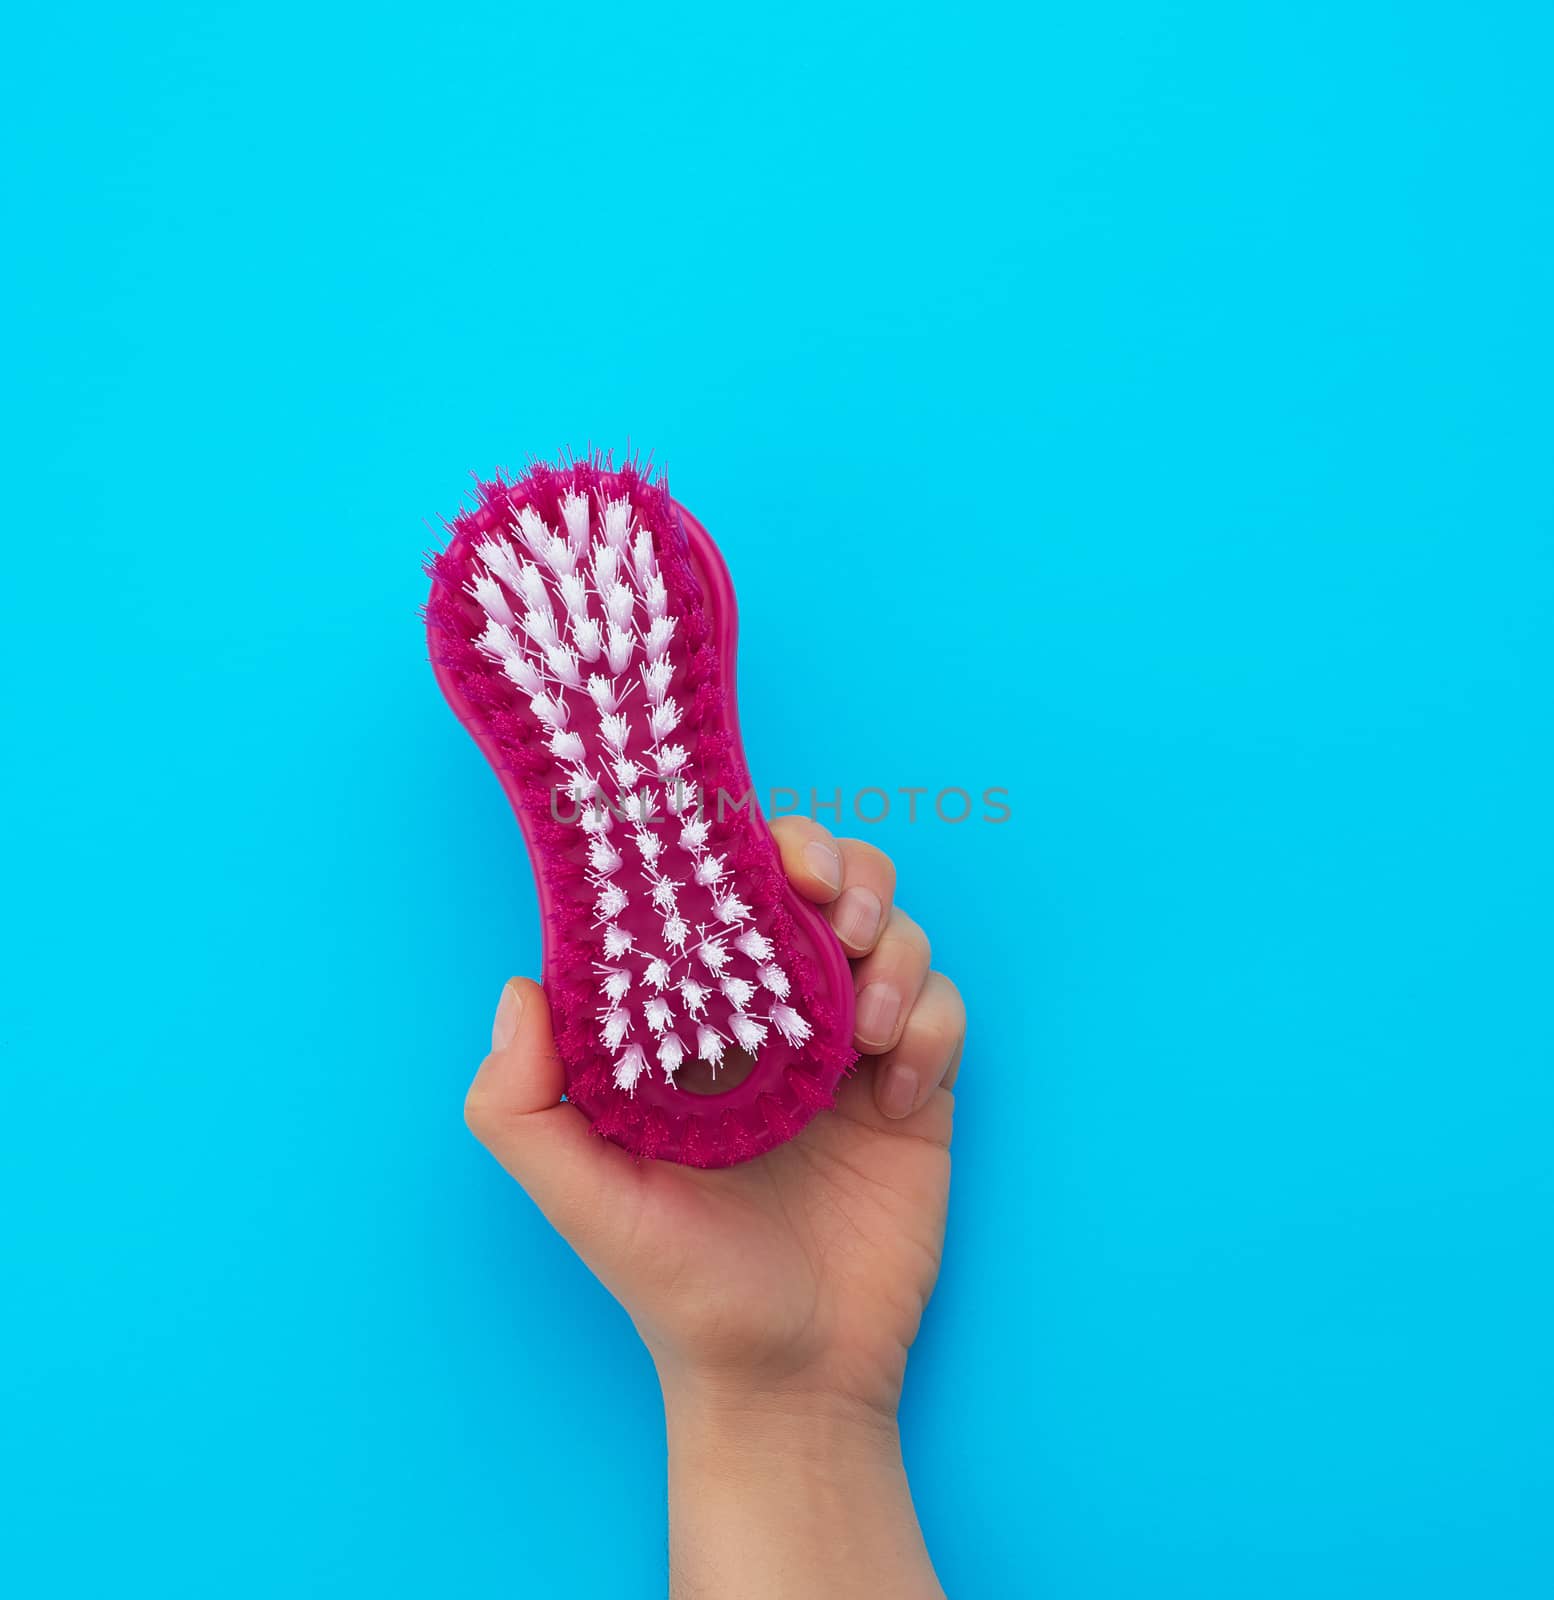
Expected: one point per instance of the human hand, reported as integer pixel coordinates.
(804, 1272)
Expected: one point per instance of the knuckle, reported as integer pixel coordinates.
(955, 1029)
(478, 1113)
(910, 935)
(868, 860)
(791, 831)
(954, 1001)
(942, 1034)
(938, 1020)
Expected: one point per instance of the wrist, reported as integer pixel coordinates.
(850, 1386)
(800, 1418)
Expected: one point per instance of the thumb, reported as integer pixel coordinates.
(514, 1107)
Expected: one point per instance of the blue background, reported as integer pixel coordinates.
(1143, 406)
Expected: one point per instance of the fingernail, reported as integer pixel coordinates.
(878, 1007)
(898, 1091)
(824, 862)
(508, 1010)
(856, 917)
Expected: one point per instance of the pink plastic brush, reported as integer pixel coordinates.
(582, 626)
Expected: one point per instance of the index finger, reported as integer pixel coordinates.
(855, 880)
(810, 858)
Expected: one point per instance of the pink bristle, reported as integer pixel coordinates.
(736, 1138)
(654, 1134)
(808, 1091)
(779, 1121)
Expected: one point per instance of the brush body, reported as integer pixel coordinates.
(582, 626)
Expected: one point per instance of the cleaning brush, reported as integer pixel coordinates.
(582, 627)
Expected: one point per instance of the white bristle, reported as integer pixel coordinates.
(619, 648)
(616, 941)
(533, 529)
(681, 797)
(558, 556)
(693, 835)
(649, 844)
(676, 932)
(713, 954)
(563, 664)
(500, 558)
(617, 1024)
(636, 808)
(580, 786)
(694, 995)
(709, 869)
(566, 746)
(588, 638)
(606, 567)
(626, 772)
(664, 894)
(657, 1013)
(540, 626)
(611, 901)
(617, 984)
(614, 729)
(497, 642)
(531, 585)
(670, 1054)
(603, 857)
(664, 719)
(555, 552)
(574, 512)
(550, 709)
(656, 640)
(790, 1024)
(618, 604)
(523, 672)
(750, 1033)
(755, 945)
(596, 819)
(657, 973)
(617, 522)
(709, 1044)
(670, 758)
(603, 693)
(574, 595)
(487, 593)
(739, 991)
(642, 556)
(730, 908)
(774, 978)
(631, 1065)
(656, 595)
(655, 679)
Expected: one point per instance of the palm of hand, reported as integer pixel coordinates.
(811, 1265)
